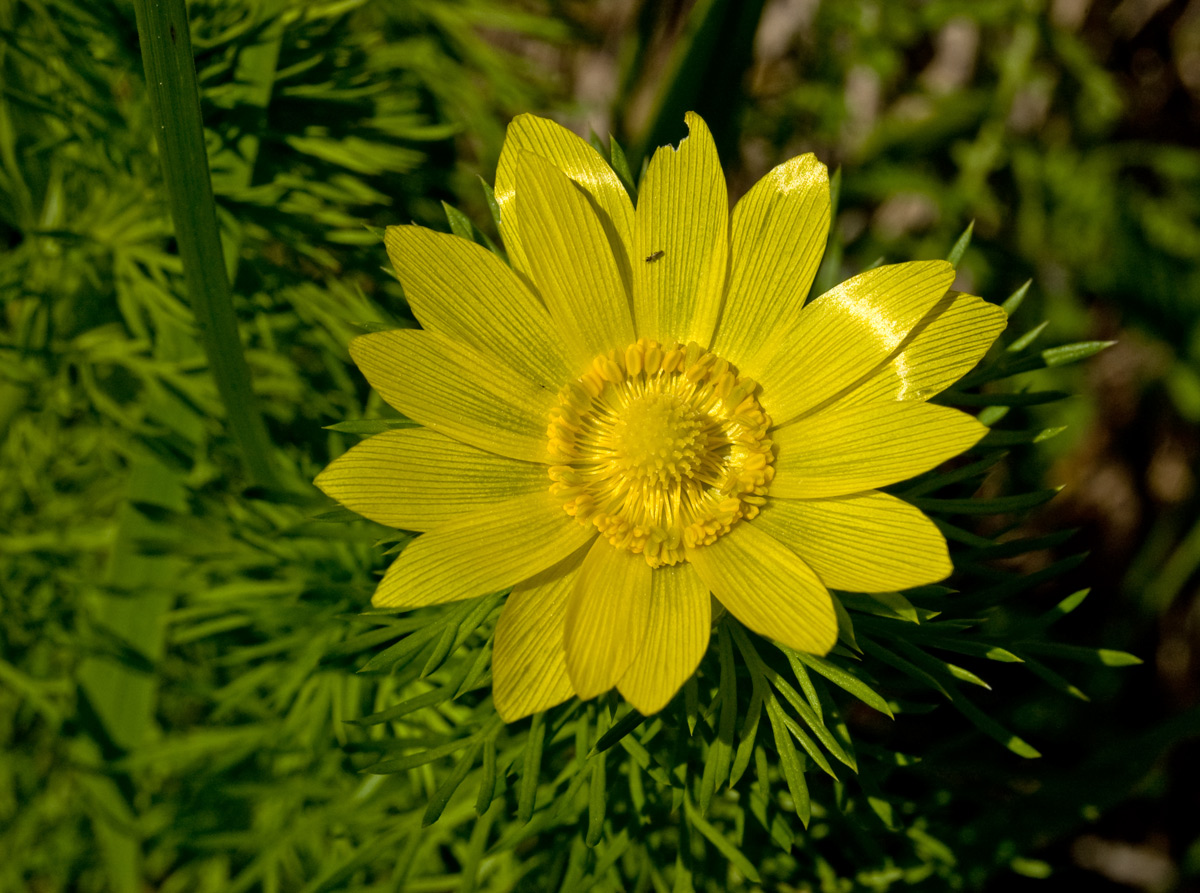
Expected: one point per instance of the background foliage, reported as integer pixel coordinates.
(183, 701)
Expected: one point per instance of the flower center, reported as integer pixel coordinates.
(661, 447)
(660, 438)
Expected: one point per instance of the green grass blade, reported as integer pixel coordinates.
(175, 98)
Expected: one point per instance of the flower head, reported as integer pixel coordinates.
(642, 415)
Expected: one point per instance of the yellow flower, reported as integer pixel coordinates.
(642, 411)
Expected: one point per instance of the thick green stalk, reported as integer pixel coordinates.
(175, 98)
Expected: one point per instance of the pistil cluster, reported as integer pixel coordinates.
(661, 447)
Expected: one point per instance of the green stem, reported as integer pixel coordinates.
(175, 99)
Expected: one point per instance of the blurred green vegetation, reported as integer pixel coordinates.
(179, 646)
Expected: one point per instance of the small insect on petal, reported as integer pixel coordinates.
(657, 255)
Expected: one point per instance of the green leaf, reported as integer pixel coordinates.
(999, 398)
(489, 196)
(1031, 868)
(789, 761)
(928, 670)
(990, 416)
(716, 761)
(724, 846)
(845, 624)
(643, 758)
(597, 798)
(960, 247)
(991, 595)
(476, 850)
(368, 427)
(400, 655)
(691, 703)
(815, 723)
(338, 516)
(460, 223)
(1014, 301)
(1073, 353)
(703, 71)
(962, 645)
(964, 675)
(991, 506)
(1051, 357)
(957, 535)
(1062, 609)
(487, 778)
(844, 680)
(1028, 338)
(451, 783)
(835, 195)
(776, 824)
(441, 650)
(619, 730)
(808, 745)
(883, 604)
(1104, 657)
(996, 438)
(620, 164)
(404, 708)
(420, 758)
(936, 481)
(164, 36)
(1015, 547)
(527, 792)
(1054, 680)
(596, 143)
(806, 685)
(725, 725)
(749, 733)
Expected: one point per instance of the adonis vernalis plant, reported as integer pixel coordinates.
(643, 411)
(639, 435)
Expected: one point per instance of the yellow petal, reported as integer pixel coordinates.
(846, 333)
(491, 549)
(869, 542)
(579, 161)
(768, 587)
(943, 348)
(681, 241)
(779, 232)
(571, 261)
(676, 638)
(456, 390)
(855, 448)
(606, 617)
(529, 665)
(416, 479)
(464, 291)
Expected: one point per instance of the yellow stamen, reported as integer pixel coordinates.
(661, 448)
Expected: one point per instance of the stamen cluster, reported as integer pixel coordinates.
(661, 447)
